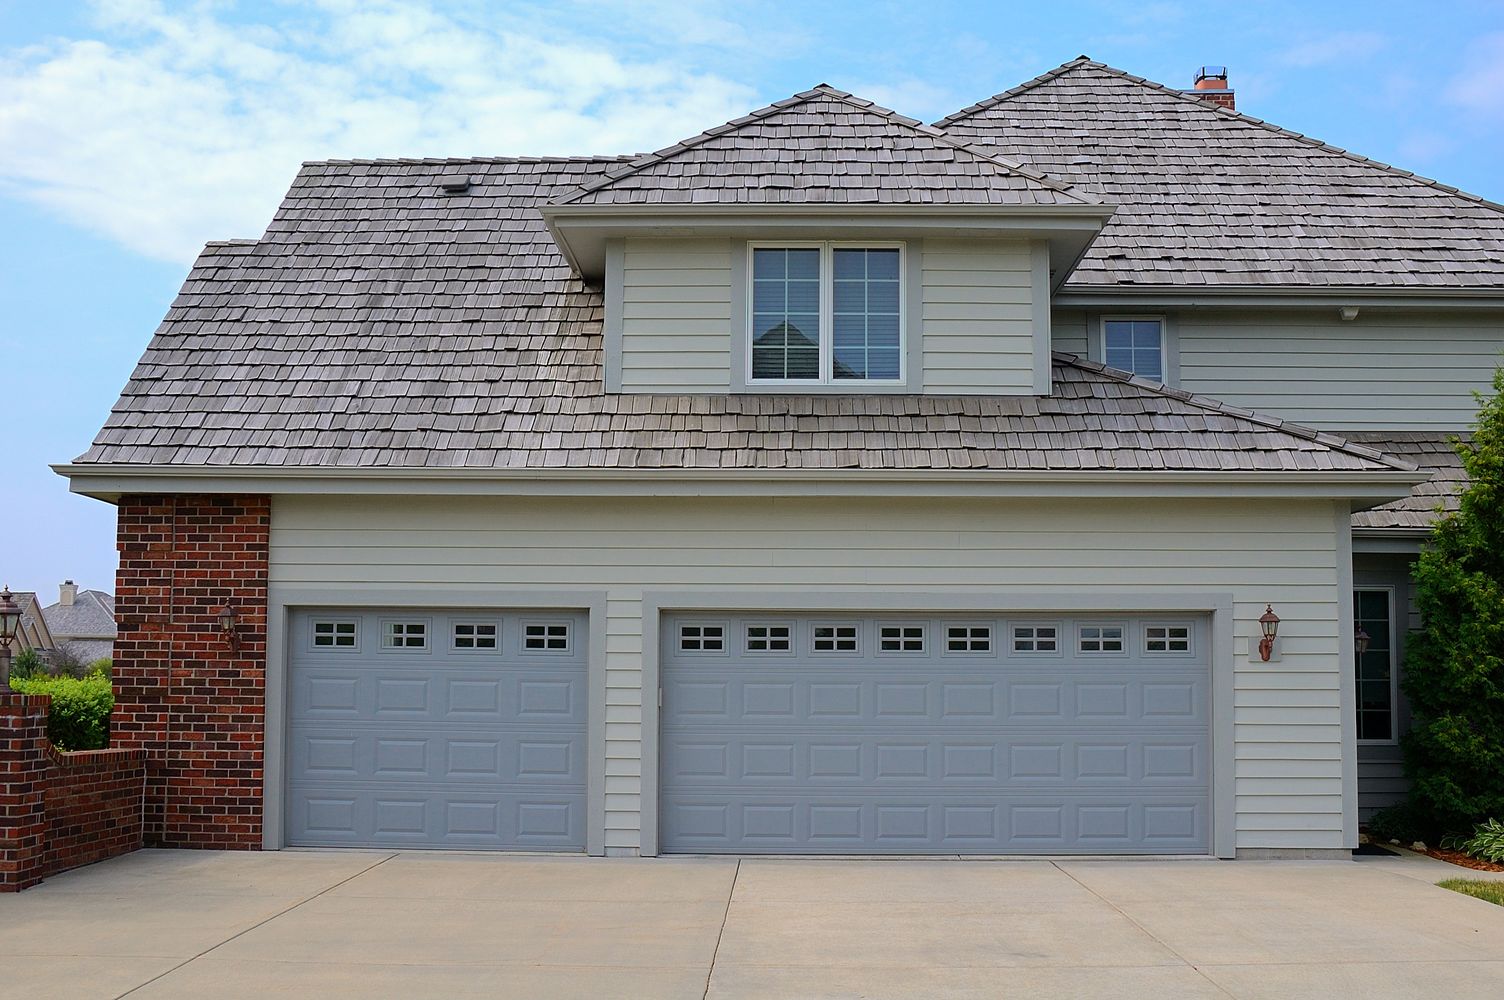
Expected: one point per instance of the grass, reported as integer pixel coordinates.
(1491, 891)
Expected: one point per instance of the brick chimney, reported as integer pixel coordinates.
(1211, 86)
(67, 593)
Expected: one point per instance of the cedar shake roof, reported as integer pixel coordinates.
(1429, 451)
(1209, 198)
(382, 323)
(823, 147)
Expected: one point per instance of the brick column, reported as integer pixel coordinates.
(24, 765)
(193, 704)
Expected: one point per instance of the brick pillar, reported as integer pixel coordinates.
(24, 766)
(193, 704)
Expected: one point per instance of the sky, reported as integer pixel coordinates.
(132, 131)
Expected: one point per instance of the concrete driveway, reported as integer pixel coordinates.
(332, 925)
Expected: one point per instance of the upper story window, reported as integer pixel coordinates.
(825, 313)
(1135, 344)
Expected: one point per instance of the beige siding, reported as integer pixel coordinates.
(1286, 713)
(977, 313)
(676, 315)
(1380, 371)
(1068, 332)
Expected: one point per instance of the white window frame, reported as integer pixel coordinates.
(427, 624)
(793, 638)
(1190, 638)
(827, 250)
(725, 638)
(1394, 668)
(1060, 638)
(924, 639)
(313, 635)
(857, 626)
(1164, 338)
(1125, 638)
(527, 650)
(992, 636)
(454, 647)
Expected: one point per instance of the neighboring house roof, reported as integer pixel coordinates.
(384, 324)
(90, 616)
(1208, 198)
(1428, 450)
(33, 633)
(823, 147)
(87, 650)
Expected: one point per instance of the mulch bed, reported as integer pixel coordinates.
(1463, 860)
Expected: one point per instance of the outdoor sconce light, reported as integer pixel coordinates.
(10, 624)
(1269, 624)
(227, 630)
(1360, 641)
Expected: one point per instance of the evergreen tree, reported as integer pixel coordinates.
(1454, 666)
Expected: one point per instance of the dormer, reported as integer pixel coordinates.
(825, 245)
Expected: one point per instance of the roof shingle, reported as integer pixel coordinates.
(1209, 198)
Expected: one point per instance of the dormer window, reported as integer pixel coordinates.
(1135, 344)
(826, 313)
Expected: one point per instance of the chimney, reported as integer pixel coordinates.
(67, 593)
(1211, 86)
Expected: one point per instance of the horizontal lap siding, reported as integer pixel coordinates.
(1380, 371)
(676, 315)
(1287, 719)
(978, 317)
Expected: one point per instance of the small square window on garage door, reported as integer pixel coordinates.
(899, 638)
(1101, 639)
(702, 637)
(769, 637)
(835, 638)
(404, 634)
(546, 637)
(343, 634)
(1167, 639)
(475, 637)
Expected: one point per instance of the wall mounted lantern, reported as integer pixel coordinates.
(228, 631)
(1269, 624)
(10, 624)
(1361, 640)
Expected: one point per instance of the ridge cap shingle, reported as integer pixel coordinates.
(1006, 164)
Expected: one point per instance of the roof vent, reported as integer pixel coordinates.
(455, 183)
(1211, 86)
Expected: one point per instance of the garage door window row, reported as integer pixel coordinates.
(410, 636)
(913, 638)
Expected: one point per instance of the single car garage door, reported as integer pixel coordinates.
(437, 729)
(935, 734)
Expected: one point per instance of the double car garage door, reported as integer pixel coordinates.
(779, 733)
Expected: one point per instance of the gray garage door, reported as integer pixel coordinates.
(437, 729)
(988, 735)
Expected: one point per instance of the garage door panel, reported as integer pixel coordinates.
(468, 748)
(982, 751)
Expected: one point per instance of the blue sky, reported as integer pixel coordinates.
(133, 131)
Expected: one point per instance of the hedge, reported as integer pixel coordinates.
(80, 715)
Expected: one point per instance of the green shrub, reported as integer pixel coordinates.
(101, 667)
(27, 663)
(1454, 666)
(1403, 823)
(1486, 842)
(80, 715)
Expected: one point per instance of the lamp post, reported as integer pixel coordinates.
(10, 622)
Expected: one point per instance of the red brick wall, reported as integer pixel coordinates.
(23, 782)
(194, 705)
(93, 806)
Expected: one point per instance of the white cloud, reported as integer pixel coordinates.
(171, 127)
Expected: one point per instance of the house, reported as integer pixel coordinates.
(827, 482)
(82, 623)
(32, 633)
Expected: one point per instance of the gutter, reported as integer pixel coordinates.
(1168, 295)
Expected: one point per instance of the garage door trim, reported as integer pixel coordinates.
(286, 600)
(1218, 605)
